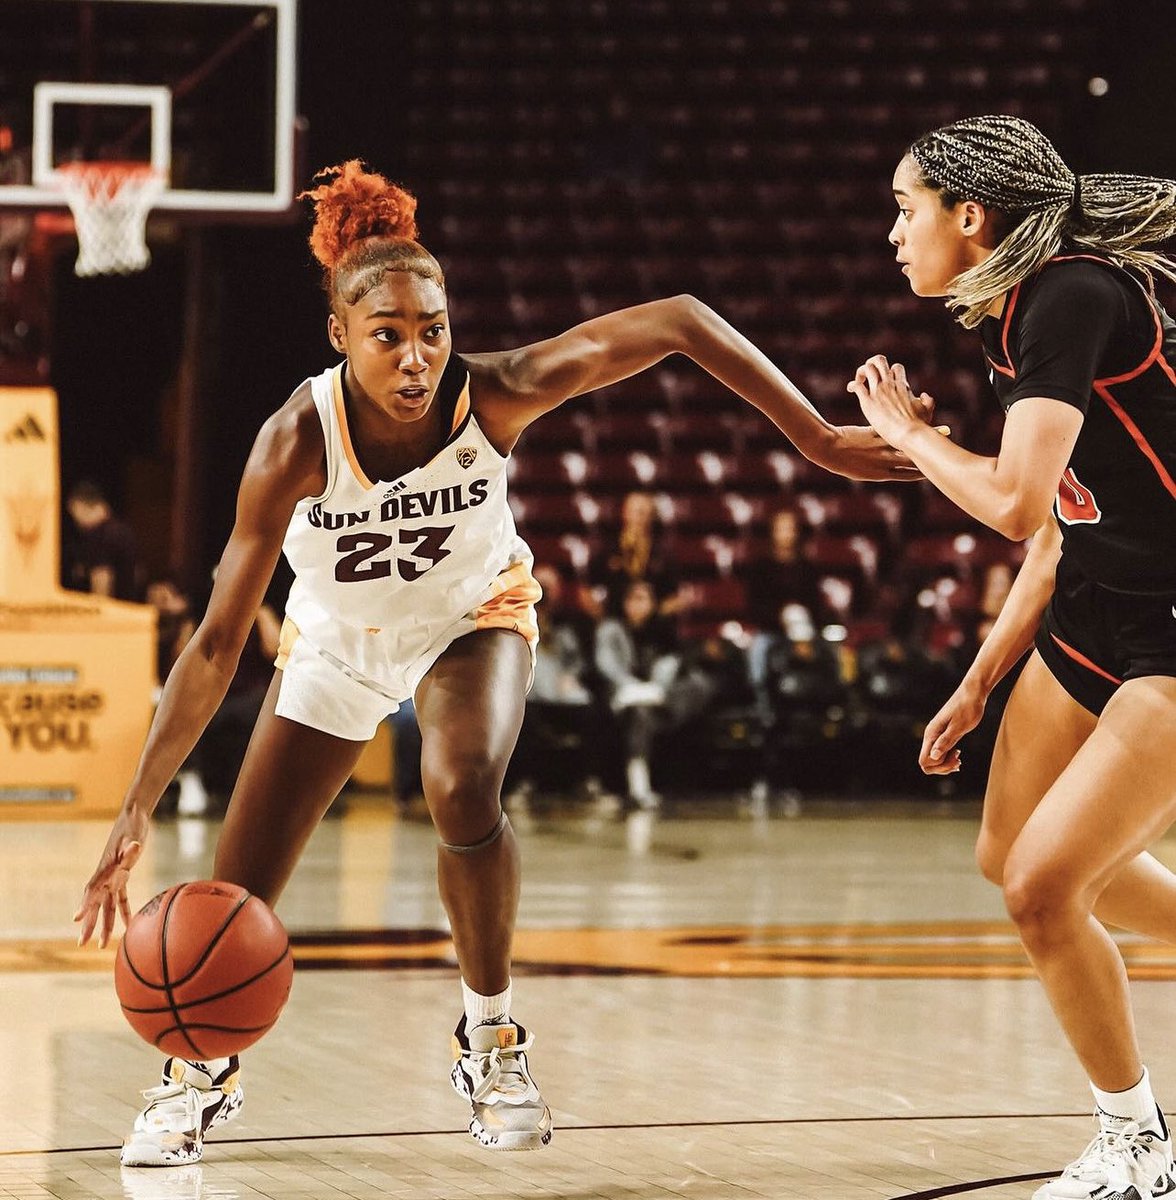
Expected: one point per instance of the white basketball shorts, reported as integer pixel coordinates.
(344, 680)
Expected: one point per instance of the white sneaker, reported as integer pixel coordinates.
(193, 798)
(490, 1071)
(193, 1097)
(1123, 1162)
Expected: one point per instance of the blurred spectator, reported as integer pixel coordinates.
(567, 605)
(99, 554)
(25, 265)
(727, 732)
(648, 692)
(786, 576)
(407, 789)
(561, 666)
(778, 585)
(903, 679)
(805, 698)
(995, 586)
(640, 552)
(903, 683)
(216, 760)
(560, 741)
(175, 625)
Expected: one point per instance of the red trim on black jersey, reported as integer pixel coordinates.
(1082, 660)
(1010, 304)
(1137, 436)
(1102, 387)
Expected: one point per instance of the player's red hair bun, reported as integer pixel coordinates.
(354, 204)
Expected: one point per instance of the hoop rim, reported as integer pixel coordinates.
(105, 182)
(102, 168)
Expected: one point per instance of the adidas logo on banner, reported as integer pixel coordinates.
(28, 430)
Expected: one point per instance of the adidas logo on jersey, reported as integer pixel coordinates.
(29, 430)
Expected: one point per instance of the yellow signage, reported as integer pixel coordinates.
(76, 671)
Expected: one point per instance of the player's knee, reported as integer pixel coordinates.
(1038, 899)
(991, 856)
(464, 801)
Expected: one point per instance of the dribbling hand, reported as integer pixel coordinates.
(107, 888)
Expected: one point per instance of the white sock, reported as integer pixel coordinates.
(637, 772)
(193, 797)
(1135, 1104)
(485, 1010)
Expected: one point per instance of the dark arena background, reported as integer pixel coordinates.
(766, 967)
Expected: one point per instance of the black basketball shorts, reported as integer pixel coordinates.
(1093, 639)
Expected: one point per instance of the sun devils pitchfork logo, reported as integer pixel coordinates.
(466, 455)
(26, 516)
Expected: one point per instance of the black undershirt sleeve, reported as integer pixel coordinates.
(1071, 316)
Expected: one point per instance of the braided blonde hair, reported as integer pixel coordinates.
(1008, 164)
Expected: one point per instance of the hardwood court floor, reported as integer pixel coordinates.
(726, 1005)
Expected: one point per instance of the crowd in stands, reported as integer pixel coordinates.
(100, 555)
(814, 669)
(817, 675)
(718, 612)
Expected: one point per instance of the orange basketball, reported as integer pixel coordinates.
(204, 970)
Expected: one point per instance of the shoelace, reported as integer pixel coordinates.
(174, 1107)
(1108, 1150)
(500, 1071)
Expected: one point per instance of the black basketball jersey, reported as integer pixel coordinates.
(1087, 333)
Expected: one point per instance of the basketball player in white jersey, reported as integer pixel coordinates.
(384, 482)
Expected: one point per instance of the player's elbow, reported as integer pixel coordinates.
(689, 313)
(218, 646)
(691, 324)
(1020, 518)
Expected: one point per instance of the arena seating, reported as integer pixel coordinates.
(771, 204)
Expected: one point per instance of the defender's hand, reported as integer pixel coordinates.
(939, 754)
(887, 401)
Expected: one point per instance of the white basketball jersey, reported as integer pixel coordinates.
(410, 556)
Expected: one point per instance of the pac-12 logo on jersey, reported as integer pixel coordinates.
(1076, 504)
(466, 456)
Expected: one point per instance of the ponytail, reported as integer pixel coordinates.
(1008, 164)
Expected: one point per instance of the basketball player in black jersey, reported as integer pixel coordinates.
(1056, 273)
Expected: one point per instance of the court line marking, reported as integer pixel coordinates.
(950, 949)
(733, 1124)
(958, 1189)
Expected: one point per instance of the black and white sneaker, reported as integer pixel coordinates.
(1123, 1162)
(191, 1099)
(490, 1071)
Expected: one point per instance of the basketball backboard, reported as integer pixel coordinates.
(203, 90)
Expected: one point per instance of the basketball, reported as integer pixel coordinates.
(203, 970)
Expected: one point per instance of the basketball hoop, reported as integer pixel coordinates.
(110, 202)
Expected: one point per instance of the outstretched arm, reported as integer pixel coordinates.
(283, 467)
(513, 388)
(1011, 493)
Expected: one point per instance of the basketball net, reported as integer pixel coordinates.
(110, 202)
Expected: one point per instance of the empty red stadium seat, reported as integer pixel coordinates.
(553, 469)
